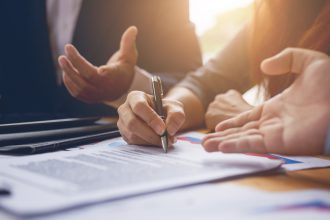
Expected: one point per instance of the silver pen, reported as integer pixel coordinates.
(157, 91)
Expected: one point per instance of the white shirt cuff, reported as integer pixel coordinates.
(141, 82)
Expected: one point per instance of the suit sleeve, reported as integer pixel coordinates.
(229, 69)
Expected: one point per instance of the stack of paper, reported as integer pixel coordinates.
(113, 170)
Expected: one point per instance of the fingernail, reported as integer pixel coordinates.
(66, 48)
(61, 61)
(171, 131)
(159, 129)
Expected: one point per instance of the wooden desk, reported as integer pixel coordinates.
(291, 180)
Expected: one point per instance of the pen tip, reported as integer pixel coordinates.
(164, 143)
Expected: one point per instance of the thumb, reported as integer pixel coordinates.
(294, 60)
(128, 46)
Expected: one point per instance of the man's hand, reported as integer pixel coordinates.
(293, 122)
(92, 84)
(225, 106)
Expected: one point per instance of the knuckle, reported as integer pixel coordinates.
(133, 94)
(123, 111)
(219, 97)
(213, 105)
(132, 138)
(131, 123)
(139, 106)
(178, 115)
(211, 113)
(153, 118)
(231, 92)
(172, 103)
(120, 109)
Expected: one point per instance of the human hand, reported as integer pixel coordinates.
(92, 84)
(139, 123)
(294, 122)
(225, 106)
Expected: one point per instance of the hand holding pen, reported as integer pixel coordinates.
(139, 123)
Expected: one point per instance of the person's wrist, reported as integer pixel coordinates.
(140, 82)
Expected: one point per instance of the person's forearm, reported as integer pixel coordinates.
(192, 106)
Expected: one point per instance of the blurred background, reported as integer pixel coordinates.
(217, 21)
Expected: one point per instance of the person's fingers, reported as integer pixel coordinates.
(85, 68)
(175, 117)
(211, 144)
(130, 137)
(241, 119)
(74, 90)
(140, 104)
(293, 60)
(68, 72)
(77, 86)
(74, 75)
(128, 45)
(230, 131)
(66, 65)
(244, 144)
(136, 126)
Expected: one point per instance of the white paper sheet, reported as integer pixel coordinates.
(212, 201)
(291, 163)
(111, 169)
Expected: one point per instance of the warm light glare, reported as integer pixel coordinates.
(204, 12)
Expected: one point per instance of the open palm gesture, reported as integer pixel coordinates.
(92, 84)
(293, 122)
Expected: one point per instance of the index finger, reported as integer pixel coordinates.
(140, 105)
(85, 68)
(241, 119)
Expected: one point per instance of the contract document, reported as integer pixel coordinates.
(112, 170)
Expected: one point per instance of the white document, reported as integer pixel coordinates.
(291, 163)
(212, 201)
(112, 170)
(301, 163)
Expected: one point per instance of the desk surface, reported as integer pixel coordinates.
(290, 180)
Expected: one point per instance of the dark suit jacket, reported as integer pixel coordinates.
(166, 44)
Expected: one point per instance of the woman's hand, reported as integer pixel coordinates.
(293, 122)
(139, 123)
(92, 84)
(225, 106)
